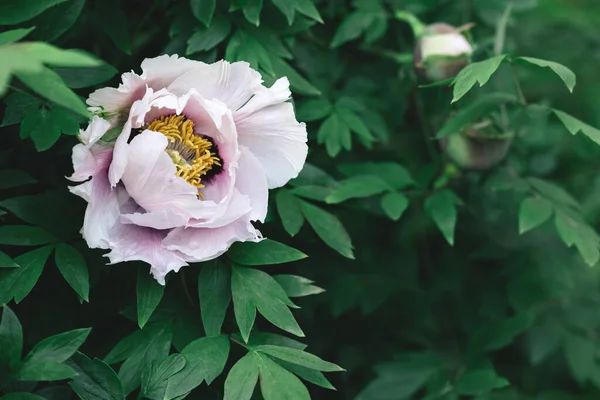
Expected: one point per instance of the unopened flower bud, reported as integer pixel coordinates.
(441, 52)
(477, 148)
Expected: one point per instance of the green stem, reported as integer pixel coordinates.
(417, 26)
(518, 86)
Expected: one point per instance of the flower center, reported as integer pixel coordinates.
(192, 154)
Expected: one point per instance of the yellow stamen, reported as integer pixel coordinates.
(191, 153)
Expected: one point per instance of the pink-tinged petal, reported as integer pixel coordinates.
(237, 206)
(103, 210)
(94, 131)
(115, 100)
(163, 103)
(279, 92)
(150, 179)
(274, 136)
(213, 119)
(159, 72)
(203, 244)
(252, 181)
(134, 243)
(231, 83)
(160, 219)
(89, 161)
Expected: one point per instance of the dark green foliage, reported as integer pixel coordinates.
(413, 274)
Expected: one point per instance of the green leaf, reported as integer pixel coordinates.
(335, 134)
(307, 8)
(356, 125)
(329, 228)
(11, 341)
(19, 104)
(45, 371)
(95, 380)
(352, 27)
(17, 11)
(580, 356)
(473, 112)
(581, 235)
(478, 72)
(553, 192)
(7, 262)
(288, 207)
(207, 38)
(441, 206)
(298, 357)
(22, 396)
(252, 10)
(567, 76)
(298, 83)
(309, 375)
(73, 268)
(205, 360)
(287, 8)
(533, 212)
(357, 187)
(265, 252)
(403, 378)
(214, 290)
(10, 178)
(154, 385)
(24, 235)
(574, 126)
(152, 345)
(479, 381)
(499, 333)
(253, 289)
(84, 77)
(394, 204)
(297, 286)
(18, 282)
(313, 110)
(40, 127)
(57, 348)
(543, 340)
(149, 293)
(56, 20)
(242, 378)
(14, 35)
(394, 174)
(112, 19)
(276, 382)
(203, 10)
(48, 84)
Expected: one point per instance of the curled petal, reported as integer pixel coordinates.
(203, 244)
(274, 136)
(150, 179)
(252, 181)
(231, 83)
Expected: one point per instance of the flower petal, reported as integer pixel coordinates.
(133, 243)
(232, 83)
(252, 181)
(163, 102)
(89, 161)
(115, 100)
(274, 136)
(203, 244)
(150, 179)
(159, 72)
(94, 131)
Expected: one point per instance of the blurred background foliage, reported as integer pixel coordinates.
(502, 306)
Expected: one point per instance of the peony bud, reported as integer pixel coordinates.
(441, 52)
(476, 148)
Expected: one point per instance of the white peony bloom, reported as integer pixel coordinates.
(181, 159)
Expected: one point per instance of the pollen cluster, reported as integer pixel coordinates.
(192, 154)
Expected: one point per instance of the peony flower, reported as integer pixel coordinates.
(441, 52)
(177, 162)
